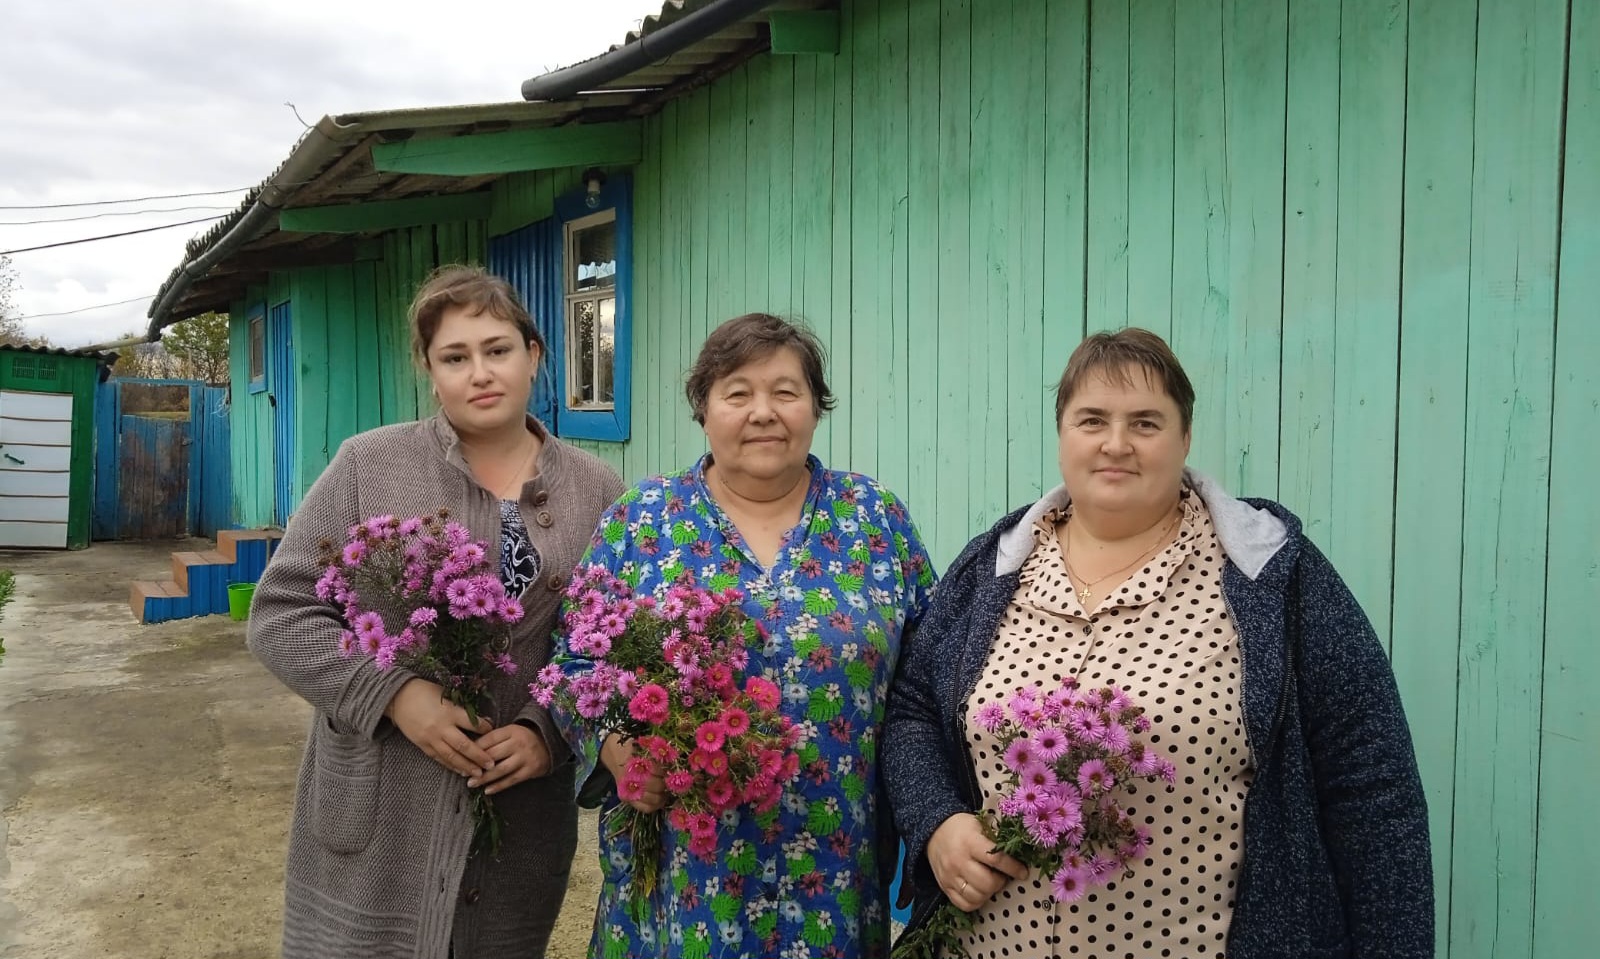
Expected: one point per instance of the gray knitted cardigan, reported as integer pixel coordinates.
(378, 851)
(1336, 856)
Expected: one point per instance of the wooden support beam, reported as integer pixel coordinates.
(386, 214)
(805, 31)
(514, 151)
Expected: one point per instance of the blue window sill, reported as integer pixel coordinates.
(607, 426)
(258, 385)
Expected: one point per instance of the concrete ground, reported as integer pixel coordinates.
(146, 774)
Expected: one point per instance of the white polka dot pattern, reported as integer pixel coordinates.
(1164, 636)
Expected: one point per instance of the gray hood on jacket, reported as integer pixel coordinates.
(1250, 536)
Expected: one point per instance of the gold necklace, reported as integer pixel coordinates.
(1086, 588)
(522, 467)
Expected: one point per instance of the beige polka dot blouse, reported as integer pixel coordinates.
(1165, 637)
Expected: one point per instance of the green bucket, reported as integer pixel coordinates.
(239, 596)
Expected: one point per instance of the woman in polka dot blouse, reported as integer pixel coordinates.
(1296, 826)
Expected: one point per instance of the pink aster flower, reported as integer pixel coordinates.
(710, 736)
(1068, 885)
(1114, 738)
(1050, 744)
(1021, 753)
(991, 716)
(506, 664)
(1094, 778)
(649, 705)
(509, 611)
(680, 781)
(354, 553)
(424, 616)
(736, 721)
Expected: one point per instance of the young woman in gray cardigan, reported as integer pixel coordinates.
(379, 852)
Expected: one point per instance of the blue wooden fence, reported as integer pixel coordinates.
(162, 477)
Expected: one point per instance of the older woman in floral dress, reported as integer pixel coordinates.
(830, 562)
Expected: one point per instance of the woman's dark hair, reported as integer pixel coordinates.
(750, 337)
(474, 288)
(1115, 355)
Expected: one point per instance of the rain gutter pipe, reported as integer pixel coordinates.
(320, 144)
(656, 45)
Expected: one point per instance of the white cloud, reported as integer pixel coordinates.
(103, 99)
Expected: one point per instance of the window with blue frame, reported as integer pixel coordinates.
(257, 327)
(574, 272)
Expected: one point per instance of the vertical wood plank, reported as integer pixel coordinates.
(308, 325)
(762, 150)
(650, 399)
(739, 173)
(725, 225)
(1026, 393)
(1433, 402)
(1108, 164)
(1517, 132)
(950, 528)
(892, 380)
(1566, 922)
(779, 111)
(1065, 201)
(869, 259)
(814, 203)
(1150, 163)
(992, 45)
(1310, 265)
(1201, 297)
(1255, 82)
(843, 269)
(922, 265)
(695, 181)
(1367, 293)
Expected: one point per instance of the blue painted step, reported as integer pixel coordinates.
(199, 584)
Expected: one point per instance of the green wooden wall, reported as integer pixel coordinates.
(352, 355)
(1358, 223)
(250, 414)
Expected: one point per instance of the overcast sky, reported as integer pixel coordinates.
(108, 99)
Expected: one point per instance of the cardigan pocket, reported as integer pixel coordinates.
(344, 789)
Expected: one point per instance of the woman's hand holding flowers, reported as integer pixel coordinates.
(617, 753)
(437, 726)
(966, 865)
(518, 754)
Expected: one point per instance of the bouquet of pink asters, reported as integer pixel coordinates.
(420, 594)
(1067, 754)
(666, 674)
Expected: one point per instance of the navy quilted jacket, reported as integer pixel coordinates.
(1336, 858)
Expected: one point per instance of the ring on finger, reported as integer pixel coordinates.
(963, 890)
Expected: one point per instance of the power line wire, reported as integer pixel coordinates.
(107, 236)
(132, 199)
(96, 216)
(86, 309)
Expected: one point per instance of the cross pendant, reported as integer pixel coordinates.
(1083, 595)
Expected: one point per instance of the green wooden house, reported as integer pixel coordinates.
(1371, 229)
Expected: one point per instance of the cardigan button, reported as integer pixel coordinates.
(544, 518)
(540, 498)
(471, 897)
(556, 582)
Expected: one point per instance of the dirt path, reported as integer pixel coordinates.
(146, 775)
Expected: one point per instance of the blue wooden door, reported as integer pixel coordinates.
(280, 393)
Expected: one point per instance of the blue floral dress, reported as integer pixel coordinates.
(806, 878)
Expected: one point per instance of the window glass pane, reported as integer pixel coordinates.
(592, 348)
(580, 374)
(594, 250)
(607, 358)
(258, 348)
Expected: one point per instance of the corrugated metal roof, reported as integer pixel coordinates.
(332, 162)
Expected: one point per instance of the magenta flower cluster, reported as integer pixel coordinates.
(668, 673)
(400, 584)
(1066, 754)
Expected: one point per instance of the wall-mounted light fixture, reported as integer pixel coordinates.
(594, 179)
